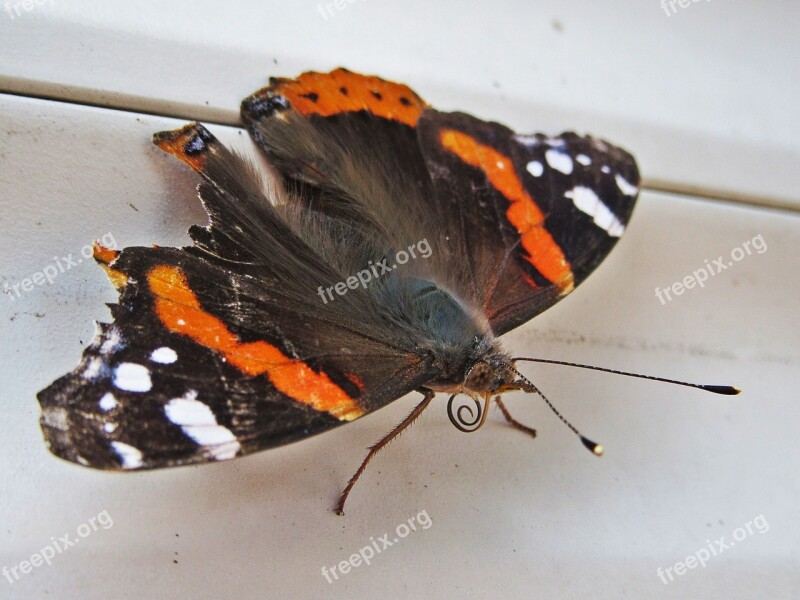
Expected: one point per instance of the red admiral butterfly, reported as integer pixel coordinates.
(293, 313)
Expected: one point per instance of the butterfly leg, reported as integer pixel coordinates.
(377, 446)
(512, 421)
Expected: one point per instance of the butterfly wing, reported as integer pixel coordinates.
(534, 214)
(348, 141)
(215, 351)
(515, 222)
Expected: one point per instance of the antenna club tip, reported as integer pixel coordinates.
(593, 447)
(598, 450)
(725, 390)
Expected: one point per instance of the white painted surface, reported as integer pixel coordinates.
(511, 517)
(707, 96)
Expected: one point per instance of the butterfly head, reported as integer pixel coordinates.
(476, 369)
(488, 375)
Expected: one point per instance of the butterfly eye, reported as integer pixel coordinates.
(479, 377)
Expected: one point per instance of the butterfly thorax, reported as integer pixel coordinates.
(464, 353)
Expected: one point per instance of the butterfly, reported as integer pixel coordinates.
(385, 252)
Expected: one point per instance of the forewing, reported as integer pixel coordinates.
(213, 351)
(532, 215)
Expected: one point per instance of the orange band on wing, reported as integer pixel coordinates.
(180, 311)
(523, 213)
(344, 91)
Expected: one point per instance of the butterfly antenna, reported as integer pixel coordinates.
(593, 447)
(725, 390)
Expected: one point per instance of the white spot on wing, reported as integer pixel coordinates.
(535, 168)
(113, 340)
(164, 355)
(109, 427)
(200, 424)
(555, 142)
(131, 457)
(529, 141)
(55, 417)
(605, 169)
(625, 186)
(132, 377)
(93, 368)
(107, 402)
(586, 200)
(583, 159)
(560, 161)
